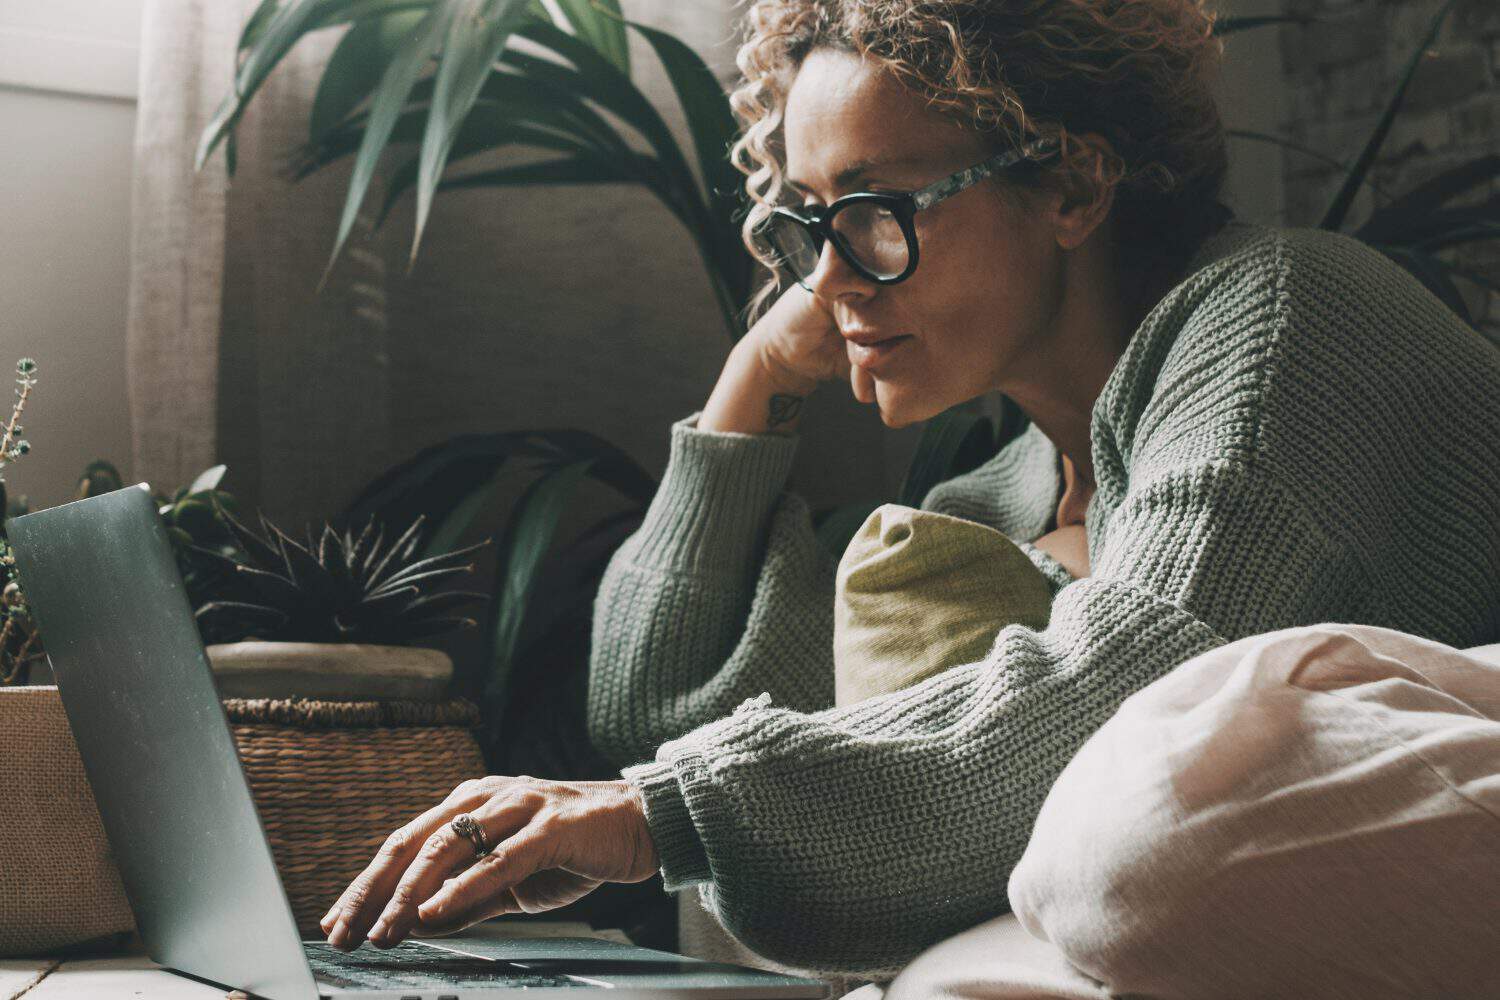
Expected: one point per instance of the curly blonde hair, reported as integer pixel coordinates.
(1138, 72)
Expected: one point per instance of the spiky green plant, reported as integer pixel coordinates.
(336, 588)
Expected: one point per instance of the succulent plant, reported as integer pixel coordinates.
(336, 588)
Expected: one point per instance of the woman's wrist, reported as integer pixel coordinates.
(754, 395)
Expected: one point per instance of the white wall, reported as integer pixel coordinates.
(67, 122)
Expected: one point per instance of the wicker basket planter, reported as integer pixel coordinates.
(341, 743)
(332, 779)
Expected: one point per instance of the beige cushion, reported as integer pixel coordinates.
(1311, 812)
(917, 592)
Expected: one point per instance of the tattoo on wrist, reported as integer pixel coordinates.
(783, 409)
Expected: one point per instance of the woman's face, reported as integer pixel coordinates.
(988, 282)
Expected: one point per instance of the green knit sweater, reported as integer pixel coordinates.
(1298, 432)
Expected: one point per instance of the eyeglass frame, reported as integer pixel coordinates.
(818, 223)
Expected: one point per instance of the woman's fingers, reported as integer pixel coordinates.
(445, 852)
(496, 906)
(356, 909)
(458, 903)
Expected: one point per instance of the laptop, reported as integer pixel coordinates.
(102, 582)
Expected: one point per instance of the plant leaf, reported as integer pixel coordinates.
(1435, 223)
(1477, 231)
(259, 550)
(257, 611)
(272, 587)
(1306, 150)
(208, 479)
(386, 105)
(706, 107)
(600, 23)
(570, 581)
(1334, 218)
(526, 538)
(442, 560)
(1420, 202)
(435, 479)
(571, 128)
(275, 32)
(427, 579)
(566, 170)
(392, 558)
(357, 65)
(477, 33)
(457, 521)
(448, 600)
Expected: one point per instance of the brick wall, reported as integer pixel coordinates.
(1339, 77)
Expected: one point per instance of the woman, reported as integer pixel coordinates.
(1234, 429)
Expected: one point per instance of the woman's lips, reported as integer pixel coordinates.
(874, 356)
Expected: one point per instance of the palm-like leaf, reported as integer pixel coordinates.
(477, 32)
(356, 66)
(1334, 217)
(598, 22)
(374, 92)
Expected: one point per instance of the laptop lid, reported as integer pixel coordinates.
(102, 582)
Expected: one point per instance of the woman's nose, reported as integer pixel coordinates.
(833, 278)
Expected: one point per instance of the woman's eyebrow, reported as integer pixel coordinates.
(848, 175)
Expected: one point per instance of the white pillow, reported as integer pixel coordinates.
(1312, 812)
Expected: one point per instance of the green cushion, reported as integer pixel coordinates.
(918, 592)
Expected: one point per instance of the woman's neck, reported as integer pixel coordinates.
(1101, 311)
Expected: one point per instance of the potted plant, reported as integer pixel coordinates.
(345, 728)
(334, 618)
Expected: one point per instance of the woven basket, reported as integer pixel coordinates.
(331, 779)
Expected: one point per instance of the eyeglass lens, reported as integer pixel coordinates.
(871, 234)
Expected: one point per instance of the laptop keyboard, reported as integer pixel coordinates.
(414, 966)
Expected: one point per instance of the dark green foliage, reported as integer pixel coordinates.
(335, 588)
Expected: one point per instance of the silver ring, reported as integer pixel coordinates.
(463, 824)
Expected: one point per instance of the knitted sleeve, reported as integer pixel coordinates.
(723, 593)
(847, 840)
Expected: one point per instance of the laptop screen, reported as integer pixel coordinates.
(102, 582)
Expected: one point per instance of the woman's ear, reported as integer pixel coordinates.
(1080, 204)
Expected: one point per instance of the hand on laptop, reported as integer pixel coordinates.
(552, 843)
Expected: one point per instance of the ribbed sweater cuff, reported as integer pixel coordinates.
(710, 512)
(683, 860)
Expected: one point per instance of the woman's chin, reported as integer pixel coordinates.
(899, 408)
(896, 411)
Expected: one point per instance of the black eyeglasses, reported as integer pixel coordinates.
(873, 231)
